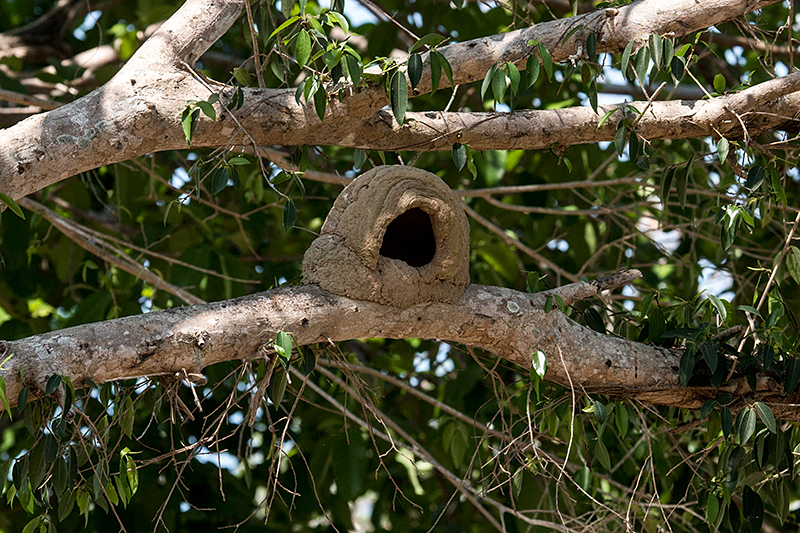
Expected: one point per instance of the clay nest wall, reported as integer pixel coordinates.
(397, 236)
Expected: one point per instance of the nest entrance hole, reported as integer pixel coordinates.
(410, 238)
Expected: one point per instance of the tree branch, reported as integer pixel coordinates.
(116, 121)
(511, 324)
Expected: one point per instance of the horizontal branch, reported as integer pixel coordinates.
(614, 28)
(117, 121)
(511, 324)
(770, 105)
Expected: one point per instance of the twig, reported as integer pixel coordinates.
(516, 243)
(649, 103)
(254, 42)
(24, 99)
(124, 261)
(419, 394)
(765, 292)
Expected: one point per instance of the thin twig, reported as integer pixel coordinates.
(517, 244)
(121, 259)
(254, 43)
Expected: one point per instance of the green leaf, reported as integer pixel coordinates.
(712, 509)
(31, 526)
(539, 363)
(188, 122)
(321, 102)
(353, 69)
(620, 138)
(591, 47)
(309, 360)
(621, 419)
(633, 145)
(65, 504)
(755, 177)
(431, 39)
(719, 83)
(532, 67)
(657, 326)
(677, 67)
(513, 74)
(766, 416)
(669, 51)
(746, 422)
(302, 50)
(642, 63)
(281, 177)
(6, 199)
(709, 351)
(656, 49)
(586, 74)
(445, 64)
(52, 384)
(682, 177)
(340, 20)
(792, 374)
(131, 473)
(748, 309)
(277, 385)
(22, 399)
(777, 186)
(242, 76)
(359, 158)
(601, 452)
(605, 117)
(436, 71)
(726, 237)
(686, 367)
(532, 282)
(600, 411)
(487, 81)
(414, 69)
(626, 58)
(399, 96)
(283, 346)
(208, 110)
(722, 149)
(547, 61)
(791, 261)
(289, 215)
(219, 180)
(592, 91)
(459, 155)
(719, 306)
(3, 398)
(282, 27)
(593, 320)
(498, 85)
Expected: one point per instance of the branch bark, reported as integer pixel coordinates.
(511, 324)
(117, 121)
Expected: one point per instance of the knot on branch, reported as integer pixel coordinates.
(397, 236)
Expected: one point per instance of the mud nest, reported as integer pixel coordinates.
(397, 236)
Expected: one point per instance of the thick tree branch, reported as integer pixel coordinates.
(117, 121)
(511, 324)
